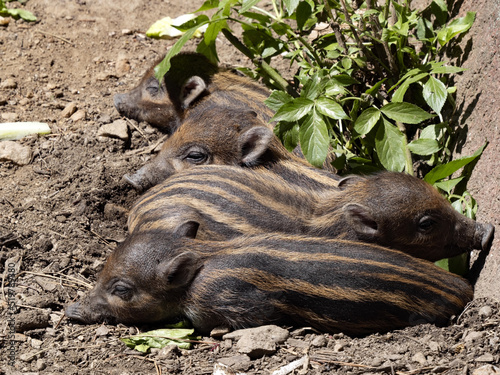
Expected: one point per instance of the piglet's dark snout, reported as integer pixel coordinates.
(118, 100)
(135, 181)
(74, 312)
(484, 236)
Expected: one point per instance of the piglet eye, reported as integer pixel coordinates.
(152, 87)
(426, 223)
(196, 157)
(153, 90)
(122, 291)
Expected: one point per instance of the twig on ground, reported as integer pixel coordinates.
(56, 36)
(138, 129)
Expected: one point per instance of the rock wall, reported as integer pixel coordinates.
(478, 113)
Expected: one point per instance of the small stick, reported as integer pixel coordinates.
(138, 129)
(344, 363)
(59, 234)
(31, 307)
(106, 242)
(54, 277)
(56, 36)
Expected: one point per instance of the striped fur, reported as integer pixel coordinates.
(332, 285)
(387, 209)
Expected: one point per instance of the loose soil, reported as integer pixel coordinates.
(62, 214)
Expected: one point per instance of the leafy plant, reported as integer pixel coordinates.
(373, 88)
(15, 13)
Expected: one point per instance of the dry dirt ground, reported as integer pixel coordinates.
(63, 213)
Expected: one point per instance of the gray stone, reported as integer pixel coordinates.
(420, 358)
(319, 341)
(485, 311)
(117, 129)
(297, 343)
(486, 357)
(473, 336)
(102, 331)
(10, 116)
(487, 370)
(170, 351)
(260, 341)
(239, 362)
(15, 153)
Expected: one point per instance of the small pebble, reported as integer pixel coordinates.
(78, 115)
(9, 83)
(485, 311)
(68, 110)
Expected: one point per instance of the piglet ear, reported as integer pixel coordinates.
(361, 220)
(179, 271)
(349, 181)
(191, 90)
(253, 143)
(189, 229)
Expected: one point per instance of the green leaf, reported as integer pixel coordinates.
(294, 110)
(366, 120)
(160, 338)
(434, 131)
(411, 73)
(207, 5)
(448, 185)
(312, 87)
(314, 139)
(277, 99)
(304, 12)
(330, 108)
(389, 143)
(458, 264)
(291, 5)
(288, 132)
(439, 9)
(374, 89)
(405, 112)
(333, 88)
(399, 94)
(424, 146)
(207, 46)
(435, 94)
(162, 68)
(195, 22)
(24, 14)
(446, 70)
(455, 27)
(260, 18)
(445, 170)
(247, 4)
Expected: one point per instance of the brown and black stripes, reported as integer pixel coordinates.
(332, 285)
(390, 209)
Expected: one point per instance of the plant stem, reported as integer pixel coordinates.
(259, 62)
(408, 159)
(308, 46)
(353, 29)
(336, 28)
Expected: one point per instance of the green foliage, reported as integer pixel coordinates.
(16, 13)
(177, 334)
(372, 89)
